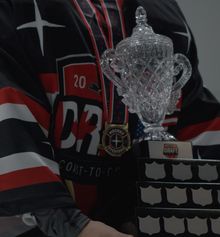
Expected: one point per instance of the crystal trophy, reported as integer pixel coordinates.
(148, 76)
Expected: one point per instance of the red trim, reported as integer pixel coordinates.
(50, 82)
(86, 197)
(11, 95)
(27, 177)
(196, 129)
(110, 45)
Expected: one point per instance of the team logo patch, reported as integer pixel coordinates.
(78, 108)
(78, 76)
(116, 139)
(170, 150)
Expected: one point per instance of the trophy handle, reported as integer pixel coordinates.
(110, 64)
(182, 65)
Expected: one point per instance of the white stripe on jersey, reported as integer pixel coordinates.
(25, 160)
(18, 111)
(207, 138)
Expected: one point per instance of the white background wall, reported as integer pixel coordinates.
(203, 16)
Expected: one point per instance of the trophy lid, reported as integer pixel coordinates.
(144, 43)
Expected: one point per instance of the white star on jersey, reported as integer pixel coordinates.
(186, 34)
(39, 24)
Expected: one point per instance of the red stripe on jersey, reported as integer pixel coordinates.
(50, 82)
(10, 95)
(196, 129)
(120, 3)
(86, 197)
(27, 177)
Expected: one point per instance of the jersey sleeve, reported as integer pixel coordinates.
(29, 175)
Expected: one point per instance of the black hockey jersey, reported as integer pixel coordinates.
(55, 101)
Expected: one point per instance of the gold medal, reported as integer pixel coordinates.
(116, 139)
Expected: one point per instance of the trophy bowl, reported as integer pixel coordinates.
(148, 76)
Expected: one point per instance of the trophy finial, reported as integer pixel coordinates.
(141, 16)
(141, 22)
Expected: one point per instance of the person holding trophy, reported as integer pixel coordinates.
(71, 109)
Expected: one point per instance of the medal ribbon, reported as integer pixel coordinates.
(114, 110)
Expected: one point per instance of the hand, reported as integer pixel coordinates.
(99, 229)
